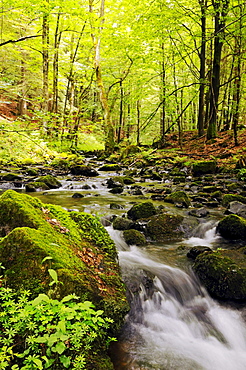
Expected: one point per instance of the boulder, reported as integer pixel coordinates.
(110, 167)
(199, 212)
(237, 208)
(50, 181)
(83, 170)
(9, 176)
(232, 227)
(36, 186)
(134, 237)
(223, 273)
(79, 248)
(203, 167)
(164, 227)
(196, 251)
(122, 223)
(141, 210)
(228, 198)
(179, 198)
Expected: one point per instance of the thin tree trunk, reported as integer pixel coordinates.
(56, 66)
(45, 52)
(138, 121)
(163, 99)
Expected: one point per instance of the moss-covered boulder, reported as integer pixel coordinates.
(36, 186)
(80, 248)
(134, 237)
(110, 167)
(179, 198)
(10, 176)
(50, 181)
(83, 170)
(122, 223)
(223, 273)
(141, 210)
(164, 227)
(232, 227)
(228, 198)
(203, 167)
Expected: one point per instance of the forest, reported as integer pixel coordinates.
(122, 184)
(124, 71)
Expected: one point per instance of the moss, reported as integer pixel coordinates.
(122, 223)
(10, 176)
(134, 237)
(228, 198)
(110, 167)
(36, 185)
(50, 181)
(221, 275)
(179, 197)
(141, 210)
(232, 227)
(82, 253)
(164, 226)
(203, 167)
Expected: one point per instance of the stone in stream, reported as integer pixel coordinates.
(50, 181)
(179, 198)
(232, 227)
(203, 167)
(237, 208)
(195, 251)
(83, 170)
(200, 212)
(141, 210)
(134, 237)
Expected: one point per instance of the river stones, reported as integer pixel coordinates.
(122, 223)
(232, 227)
(164, 227)
(50, 181)
(196, 251)
(141, 210)
(179, 198)
(134, 237)
(228, 198)
(36, 186)
(203, 167)
(237, 208)
(110, 167)
(83, 170)
(199, 212)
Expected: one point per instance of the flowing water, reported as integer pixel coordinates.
(173, 323)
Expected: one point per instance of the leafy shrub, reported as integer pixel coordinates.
(46, 333)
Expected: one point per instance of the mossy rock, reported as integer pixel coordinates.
(228, 198)
(209, 189)
(122, 223)
(232, 227)
(110, 167)
(9, 176)
(134, 237)
(35, 186)
(223, 276)
(83, 170)
(82, 253)
(164, 227)
(50, 181)
(203, 167)
(141, 210)
(178, 197)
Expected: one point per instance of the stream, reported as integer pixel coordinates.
(173, 323)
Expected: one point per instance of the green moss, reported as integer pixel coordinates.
(221, 275)
(141, 210)
(134, 237)
(179, 197)
(232, 227)
(122, 223)
(203, 167)
(164, 226)
(110, 167)
(50, 181)
(228, 198)
(34, 186)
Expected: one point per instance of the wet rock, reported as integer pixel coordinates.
(223, 273)
(114, 182)
(115, 206)
(36, 186)
(86, 187)
(228, 198)
(117, 190)
(232, 227)
(110, 167)
(10, 176)
(195, 251)
(203, 167)
(77, 195)
(179, 197)
(141, 210)
(237, 208)
(81, 170)
(50, 181)
(134, 237)
(164, 227)
(122, 223)
(200, 212)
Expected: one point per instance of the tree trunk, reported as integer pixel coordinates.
(138, 121)
(56, 66)
(45, 52)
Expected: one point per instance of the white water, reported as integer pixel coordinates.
(173, 323)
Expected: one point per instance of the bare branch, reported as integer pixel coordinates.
(19, 40)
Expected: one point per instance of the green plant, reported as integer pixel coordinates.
(241, 175)
(46, 333)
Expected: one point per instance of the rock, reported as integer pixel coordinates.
(228, 198)
(134, 237)
(122, 223)
(164, 227)
(117, 190)
(203, 167)
(224, 276)
(110, 167)
(141, 210)
(195, 251)
(82, 170)
(114, 182)
(36, 186)
(115, 206)
(82, 253)
(200, 212)
(179, 197)
(10, 176)
(50, 181)
(237, 208)
(232, 227)
(128, 180)
(77, 195)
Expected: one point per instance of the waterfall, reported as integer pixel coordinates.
(173, 323)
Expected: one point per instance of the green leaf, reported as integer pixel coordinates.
(65, 361)
(46, 258)
(53, 275)
(59, 348)
(39, 299)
